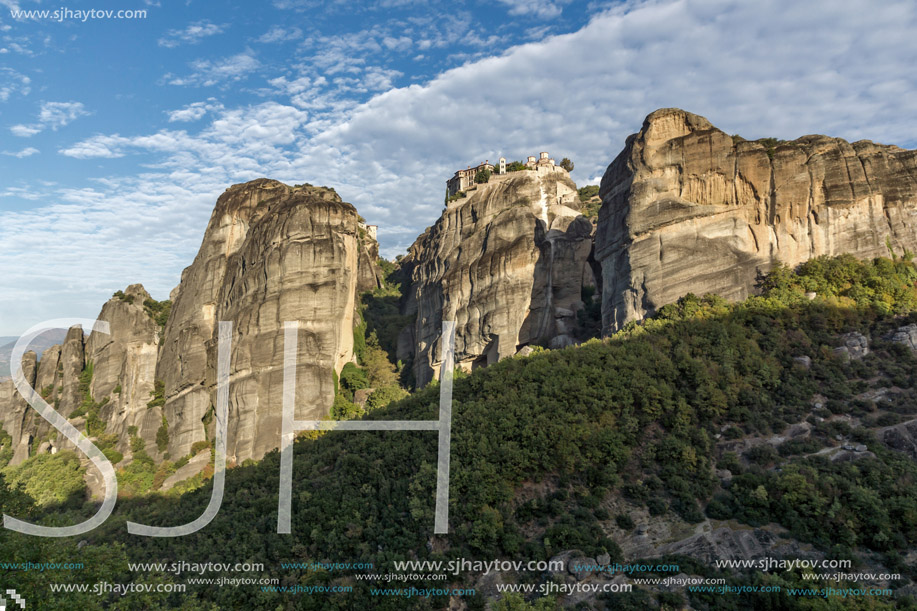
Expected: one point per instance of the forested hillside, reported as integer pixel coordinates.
(772, 412)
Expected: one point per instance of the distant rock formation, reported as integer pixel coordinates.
(123, 362)
(688, 208)
(507, 263)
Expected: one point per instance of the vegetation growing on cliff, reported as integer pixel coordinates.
(158, 310)
(375, 348)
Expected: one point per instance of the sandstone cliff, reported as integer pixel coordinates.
(117, 392)
(271, 253)
(507, 263)
(688, 208)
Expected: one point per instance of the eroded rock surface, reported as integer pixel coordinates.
(688, 208)
(271, 253)
(507, 263)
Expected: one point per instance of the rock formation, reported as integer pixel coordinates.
(271, 253)
(688, 208)
(507, 263)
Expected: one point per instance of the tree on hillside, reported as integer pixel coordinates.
(566, 164)
(482, 176)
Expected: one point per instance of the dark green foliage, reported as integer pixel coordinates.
(566, 164)
(137, 444)
(515, 166)
(343, 409)
(136, 479)
(624, 521)
(158, 310)
(198, 446)
(384, 396)
(50, 478)
(125, 298)
(482, 176)
(639, 415)
(162, 435)
(588, 191)
(158, 394)
(6, 447)
(770, 144)
(113, 455)
(352, 379)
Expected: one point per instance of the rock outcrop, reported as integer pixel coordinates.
(688, 208)
(507, 263)
(123, 362)
(124, 367)
(271, 253)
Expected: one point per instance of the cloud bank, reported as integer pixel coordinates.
(768, 68)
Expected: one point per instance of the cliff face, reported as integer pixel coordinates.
(507, 263)
(271, 254)
(688, 208)
(124, 364)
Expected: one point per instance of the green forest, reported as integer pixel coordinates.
(546, 451)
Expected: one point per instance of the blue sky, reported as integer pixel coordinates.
(117, 135)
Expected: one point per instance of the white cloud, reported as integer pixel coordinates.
(542, 9)
(13, 82)
(768, 68)
(207, 73)
(279, 34)
(401, 44)
(26, 152)
(235, 140)
(24, 131)
(195, 111)
(59, 114)
(192, 34)
(53, 115)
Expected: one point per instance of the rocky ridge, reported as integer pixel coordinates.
(688, 208)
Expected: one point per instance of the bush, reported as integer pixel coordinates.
(158, 394)
(113, 455)
(482, 176)
(199, 446)
(656, 506)
(353, 379)
(624, 521)
(384, 396)
(342, 409)
(162, 435)
(137, 444)
(158, 310)
(50, 478)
